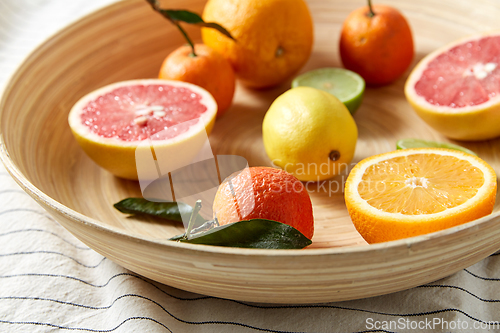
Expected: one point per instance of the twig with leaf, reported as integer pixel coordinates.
(177, 16)
(254, 233)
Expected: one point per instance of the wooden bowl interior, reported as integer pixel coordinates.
(114, 45)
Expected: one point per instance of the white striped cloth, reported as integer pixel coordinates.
(50, 281)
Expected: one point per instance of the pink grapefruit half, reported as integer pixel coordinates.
(112, 122)
(456, 89)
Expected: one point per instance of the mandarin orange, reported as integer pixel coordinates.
(265, 193)
(207, 69)
(377, 45)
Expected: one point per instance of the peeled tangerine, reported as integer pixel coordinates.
(412, 192)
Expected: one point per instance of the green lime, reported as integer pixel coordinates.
(418, 143)
(347, 86)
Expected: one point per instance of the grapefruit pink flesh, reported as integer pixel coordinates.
(139, 112)
(456, 88)
(465, 75)
(113, 124)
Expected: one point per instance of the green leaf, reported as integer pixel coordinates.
(419, 143)
(192, 18)
(255, 233)
(183, 16)
(167, 210)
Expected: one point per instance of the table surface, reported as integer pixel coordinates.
(50, 281)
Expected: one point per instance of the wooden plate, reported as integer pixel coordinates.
(128, 40)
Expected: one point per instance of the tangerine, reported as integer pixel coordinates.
(265, 193)
(207, 69)
(377, 44)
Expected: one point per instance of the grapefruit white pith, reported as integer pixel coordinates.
(110, 123)
(456, 89)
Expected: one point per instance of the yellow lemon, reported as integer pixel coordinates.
(309, 133)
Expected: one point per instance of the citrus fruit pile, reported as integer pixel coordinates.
(456, 89)
(265, 193)
(412, 192)
(308, 132)
(110, 123)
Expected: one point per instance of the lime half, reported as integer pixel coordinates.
(347, 86)
(418, 143)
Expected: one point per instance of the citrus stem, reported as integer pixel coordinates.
(193, 54)
(370, 13)
(156, 6)
(194, 214)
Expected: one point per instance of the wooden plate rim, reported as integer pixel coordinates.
(40, 196)
(44, 199)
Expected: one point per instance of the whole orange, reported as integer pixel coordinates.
(265, 193)
(273, 37)
(208, 69)
(378, 47)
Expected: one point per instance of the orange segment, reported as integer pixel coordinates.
(415, 191)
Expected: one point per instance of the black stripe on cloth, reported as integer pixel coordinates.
(83, 328)
(109, 280)
(52, 252)
(264, 307)
(212, 322)
(215, 322)
(480, 277)
(229, 323)
(461, 289)
(418, 314)
(46, 231)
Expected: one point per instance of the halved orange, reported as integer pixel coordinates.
(411, 192)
